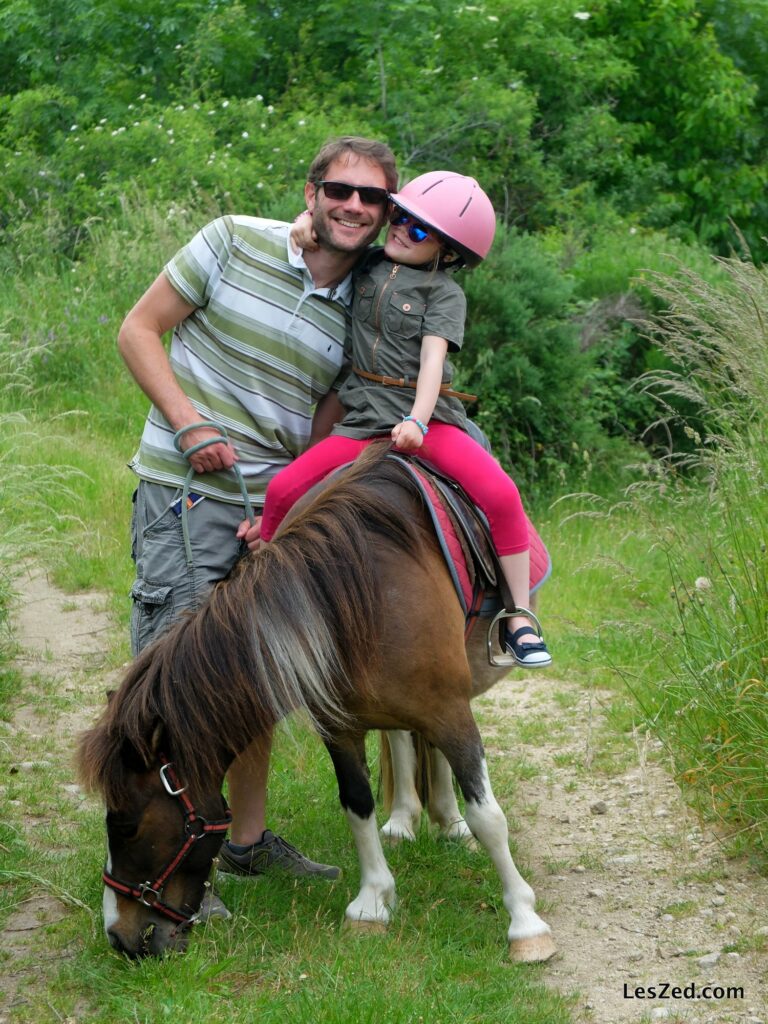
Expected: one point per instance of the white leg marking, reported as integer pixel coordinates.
(109, 902)
(377, 885)
(487, 821)
(406, 806)
(442, 806)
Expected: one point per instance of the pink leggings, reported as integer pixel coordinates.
(447, 447)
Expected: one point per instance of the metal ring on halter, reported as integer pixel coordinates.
(507, 660)
(187, 453)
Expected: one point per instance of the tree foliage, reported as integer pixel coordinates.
(642, 116)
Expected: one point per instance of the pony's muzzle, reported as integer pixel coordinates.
(154, 940)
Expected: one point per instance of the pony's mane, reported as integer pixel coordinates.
(289, 629)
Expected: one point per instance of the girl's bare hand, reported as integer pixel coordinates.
(407, 436)
(302, 233)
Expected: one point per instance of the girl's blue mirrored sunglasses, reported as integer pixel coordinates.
(416, 231)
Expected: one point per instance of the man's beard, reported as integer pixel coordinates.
(321, 224)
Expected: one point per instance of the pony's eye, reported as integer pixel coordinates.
(121, 825)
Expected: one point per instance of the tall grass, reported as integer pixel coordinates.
(710, 704)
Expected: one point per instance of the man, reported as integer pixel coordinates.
(258, 336)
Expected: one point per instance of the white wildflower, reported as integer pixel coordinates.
(225, 103)
(582, 15)
(703, 583)
(245, 135)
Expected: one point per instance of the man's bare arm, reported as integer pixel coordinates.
(140, 343)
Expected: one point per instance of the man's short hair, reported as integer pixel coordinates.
(368, 149)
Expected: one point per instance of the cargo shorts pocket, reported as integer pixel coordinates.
(151, 615)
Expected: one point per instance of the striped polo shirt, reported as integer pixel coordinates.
(262, 347)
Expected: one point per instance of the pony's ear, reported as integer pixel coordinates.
(110, 696)
(156, 743)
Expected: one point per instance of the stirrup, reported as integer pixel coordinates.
(506, 660)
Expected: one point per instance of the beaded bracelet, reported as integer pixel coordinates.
(422, 426)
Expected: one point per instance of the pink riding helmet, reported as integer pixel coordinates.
(456, 207)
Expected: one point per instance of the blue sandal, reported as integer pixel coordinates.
(528, 655)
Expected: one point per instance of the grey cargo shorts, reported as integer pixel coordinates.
(165, 586)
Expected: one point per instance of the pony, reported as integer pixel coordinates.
(350, 616)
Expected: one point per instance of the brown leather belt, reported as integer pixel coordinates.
(403, 382)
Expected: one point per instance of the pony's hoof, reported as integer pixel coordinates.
(364, 927)
(393, 835)
(532, 951)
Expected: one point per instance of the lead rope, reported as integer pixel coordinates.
(223, 436)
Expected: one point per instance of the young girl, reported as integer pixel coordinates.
(407, 314)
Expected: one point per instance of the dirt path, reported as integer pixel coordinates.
(636, 893)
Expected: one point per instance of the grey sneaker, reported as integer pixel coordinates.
(269, 853)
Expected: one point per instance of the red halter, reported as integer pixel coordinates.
(195, 827)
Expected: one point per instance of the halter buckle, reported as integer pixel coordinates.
(167, 782)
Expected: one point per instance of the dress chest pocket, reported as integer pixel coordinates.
(404, 316)
(365, 289)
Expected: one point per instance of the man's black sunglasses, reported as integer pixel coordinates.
(369, 195)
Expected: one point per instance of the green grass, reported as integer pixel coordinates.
(284, 953)
(623, 615)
